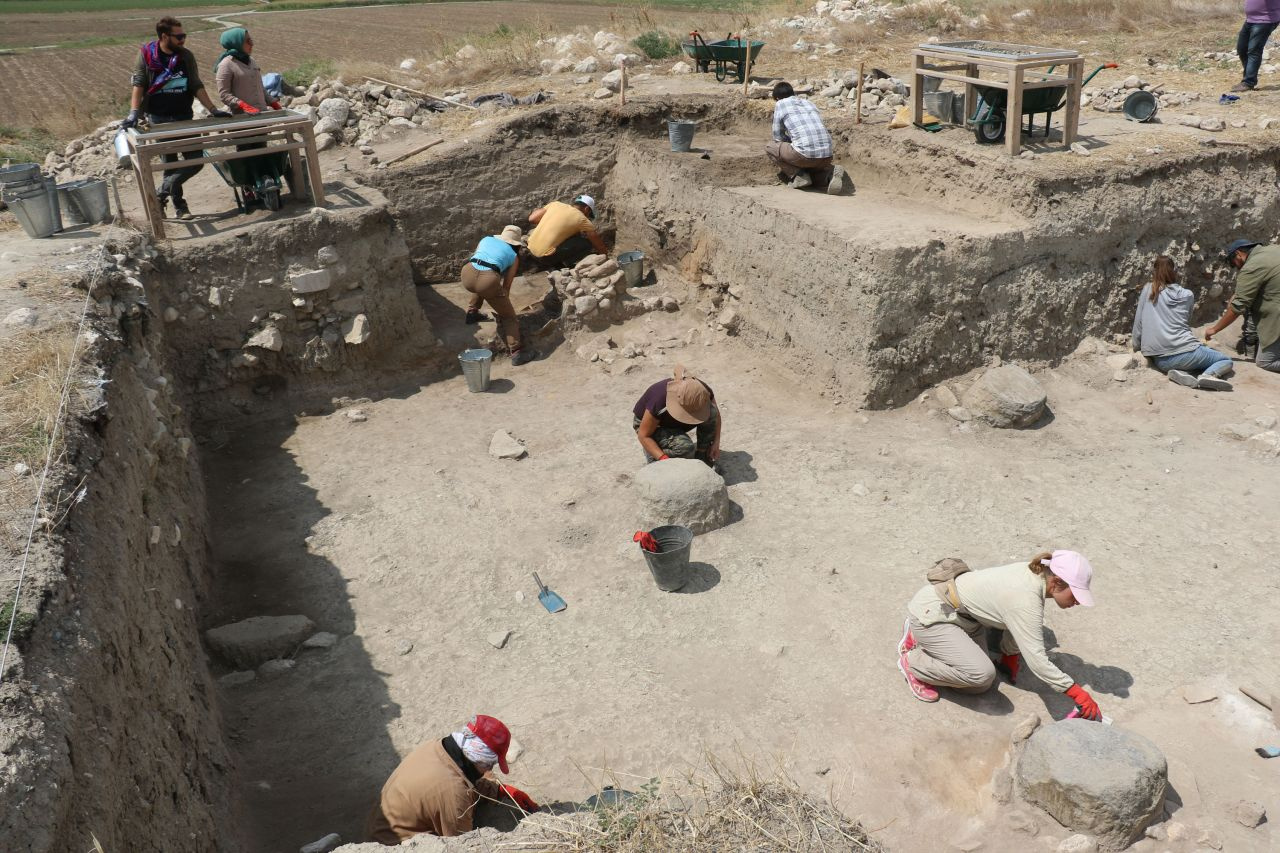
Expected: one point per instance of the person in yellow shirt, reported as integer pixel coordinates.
(563, 234)
(943, 642)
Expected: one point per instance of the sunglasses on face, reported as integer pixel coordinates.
(178, 36)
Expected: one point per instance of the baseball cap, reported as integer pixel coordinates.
(588, 201)
(688, 400)
(1237, 245)
(511, 234)
(1076, 571)
(495, 735)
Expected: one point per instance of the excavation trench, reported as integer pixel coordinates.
(218, 455)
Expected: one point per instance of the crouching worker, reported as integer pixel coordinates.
(943, 643)
(564, 234)
(1162, 331)
(487, 276)
(436, 788)
(666, 412)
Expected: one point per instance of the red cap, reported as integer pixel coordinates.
(495, 735)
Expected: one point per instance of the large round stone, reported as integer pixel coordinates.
(1006, 396)
(682, 491)
(1094, 778)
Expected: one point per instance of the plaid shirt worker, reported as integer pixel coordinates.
(798, 122)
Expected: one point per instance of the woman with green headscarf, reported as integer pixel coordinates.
(240, 87)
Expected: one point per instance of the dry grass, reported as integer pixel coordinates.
(1092, 16)
(726, 810)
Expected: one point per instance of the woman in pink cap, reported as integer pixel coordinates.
(943, 642)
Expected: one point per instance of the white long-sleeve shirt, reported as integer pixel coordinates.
(1010, 598)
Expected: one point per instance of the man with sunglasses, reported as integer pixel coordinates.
(165, 81)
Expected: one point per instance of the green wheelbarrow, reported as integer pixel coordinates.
(989, 116)
(729, 55)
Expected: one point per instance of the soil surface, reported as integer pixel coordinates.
(403, 536)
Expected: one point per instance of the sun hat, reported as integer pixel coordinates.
(1237, 245)
(1076, 571)
(495, 735)
(512, 235)
(688, 400)
(588, 201)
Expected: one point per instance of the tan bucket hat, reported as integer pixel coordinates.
(512, 235)
(688, 400)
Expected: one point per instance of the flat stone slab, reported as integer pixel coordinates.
(1094, 778)
(258, 639)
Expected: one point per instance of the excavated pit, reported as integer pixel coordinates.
(933, 266)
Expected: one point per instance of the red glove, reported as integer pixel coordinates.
(663, 456)
(249, 109)
(1088, 708)
(275, 105)
(1009, 665)
(520, 798)
(646, 541)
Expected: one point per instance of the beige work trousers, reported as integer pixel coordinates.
(791, 162)
(948, 655)
(486, 286)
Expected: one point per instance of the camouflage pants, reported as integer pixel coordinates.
(677, 444)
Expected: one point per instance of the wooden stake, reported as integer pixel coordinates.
(857, 104)
(406, 155)
(746, 74)
(623, 90)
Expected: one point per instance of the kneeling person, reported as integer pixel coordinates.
(436, 788)
(668, 409)
(801, 146)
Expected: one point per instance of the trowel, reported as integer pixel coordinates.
(550, 600)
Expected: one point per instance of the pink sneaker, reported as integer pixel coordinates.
(908, 642)
(919, 689)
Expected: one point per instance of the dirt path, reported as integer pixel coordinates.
(420, 548)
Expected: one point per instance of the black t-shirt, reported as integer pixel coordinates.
(174, 97)
(654, 400)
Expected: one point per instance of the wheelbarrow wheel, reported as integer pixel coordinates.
(721, 71)
(990, 130)
(271, 198)
(704, 66)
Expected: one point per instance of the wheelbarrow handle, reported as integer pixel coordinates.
(1096, 70)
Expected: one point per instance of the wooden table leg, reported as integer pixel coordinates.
(1071, 122)
(147, 187)
(970, 93)
(917, 92)
(295, 170)
(1013, 112)
(313, 167)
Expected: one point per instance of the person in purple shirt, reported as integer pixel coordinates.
(668, 409)
(1260, 19)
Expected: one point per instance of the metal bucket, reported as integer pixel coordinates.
(1140, 106)
(67, 206)
(670, 564)
(18, 173)
(632, 266)
(681, 133)
(91, 200)
(475, 366)
(35, 213)
(957, 111)
(939, 104)
(51, 190)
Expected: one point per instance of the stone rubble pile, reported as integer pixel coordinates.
(879, 94)
(90, 156)
(352, 115)
(580, 54)
(596, 288)
(821, 23)
(1110, 99)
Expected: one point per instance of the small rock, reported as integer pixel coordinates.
(1189, 121)
(1132, 82)
(669, 303)
(1176, 831)
(613, 80)
(21, 469)
(498, 639)
(1078, 844)
(1211, 123)
(1120, 376)
(1264, 444)
(1124, 361)
(278, 667)
(268, 338)
(355, 330)
(313, 281)
(960, 413)
(859, 490)
(503, 445)
(1007, 397)
(602, 94)
(683, 68)
(945, 396)
(171, 314)
(730, 319)
(1022, 822)
(1081, 149)
(1240, 432)
(1195, 694)
(235, 679)
(514, 750)
(329, 843)
(585, 305)
(356, 415)
(1265, 421)
(1248, 813)
(1209, 838)
(25, 318)
(320, 640)
(327, 256)
(404, 648)
(1025, 728)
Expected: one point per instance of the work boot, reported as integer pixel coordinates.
(523, 356)
(474, 316)
(180, 209)
(908, 642)
(163, 199)
(1242, 87)
(801, 180)
(919, 689)
(836, 186)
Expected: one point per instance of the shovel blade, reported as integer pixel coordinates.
(552, 602)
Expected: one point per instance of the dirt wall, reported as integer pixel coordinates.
(110, 727)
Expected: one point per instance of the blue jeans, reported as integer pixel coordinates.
(1249, 45)
(1201, 359)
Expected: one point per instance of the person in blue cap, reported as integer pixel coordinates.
(1257, 295)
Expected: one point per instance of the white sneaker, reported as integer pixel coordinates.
(801, 180)
(836, 187)
(1182, 378)
(1213, 383)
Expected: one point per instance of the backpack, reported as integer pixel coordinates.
(943, 577)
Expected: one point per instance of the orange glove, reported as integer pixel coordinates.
(1088, 708)
(646, 541)
(520, 798)
(249, 109)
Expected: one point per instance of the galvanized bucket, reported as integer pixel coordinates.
(475, 367)
(939, 104)
(35, 213)
(18, 173)
(632, 266)
(91, 200)
(681, 133)
(669, 565)
(51, 190)
(70, 213)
